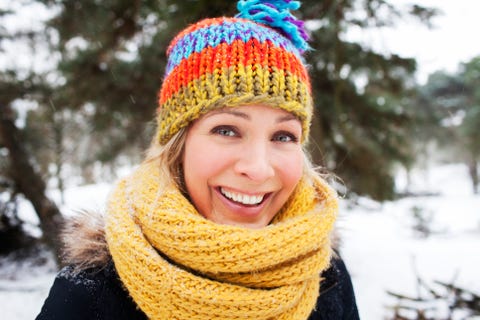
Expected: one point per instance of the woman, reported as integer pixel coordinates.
(226, 219)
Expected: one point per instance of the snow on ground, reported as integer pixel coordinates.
(379, 245)
(383, 252)
(23, 287)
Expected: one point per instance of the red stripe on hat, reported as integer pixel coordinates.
(239, 53)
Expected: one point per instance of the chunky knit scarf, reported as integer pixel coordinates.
(178, 265)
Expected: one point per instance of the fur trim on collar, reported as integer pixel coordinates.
(84, 241)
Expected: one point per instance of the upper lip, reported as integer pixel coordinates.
(248, 193)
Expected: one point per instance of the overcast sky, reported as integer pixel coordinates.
(452, 40)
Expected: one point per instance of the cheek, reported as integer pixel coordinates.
(201, 165)
(291, 169)
(194, 175)
(201, 162)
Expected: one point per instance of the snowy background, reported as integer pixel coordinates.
(379, 244)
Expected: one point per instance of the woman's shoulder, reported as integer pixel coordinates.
(88, 287)
(73, 293)
(88, 294)
(337, 298)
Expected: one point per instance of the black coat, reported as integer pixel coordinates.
(99, 295)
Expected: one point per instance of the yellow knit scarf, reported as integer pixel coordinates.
(178, 265)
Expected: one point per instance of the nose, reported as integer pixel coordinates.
(255, 161)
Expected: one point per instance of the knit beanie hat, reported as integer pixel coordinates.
(252, 58)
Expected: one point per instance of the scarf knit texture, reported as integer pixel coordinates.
(176, 264)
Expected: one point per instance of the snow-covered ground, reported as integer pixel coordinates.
(383, 251)
(379, 244)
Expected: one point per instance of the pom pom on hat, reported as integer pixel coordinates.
(276, 13)
(254, 58)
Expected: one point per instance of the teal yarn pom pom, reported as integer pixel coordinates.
(276, 14)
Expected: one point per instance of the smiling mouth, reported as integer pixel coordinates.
(243, 199)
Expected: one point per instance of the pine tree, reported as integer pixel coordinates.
(363, 113)
(471, 123)
(113, 63)
(454, 101)
(113, 59)
(20, 171)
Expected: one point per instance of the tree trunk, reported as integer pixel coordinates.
(29, 182)
(473, 171)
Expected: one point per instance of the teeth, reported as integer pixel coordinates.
(242, 198)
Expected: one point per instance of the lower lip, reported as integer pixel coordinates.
(241, 210)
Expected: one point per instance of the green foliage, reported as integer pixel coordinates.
(471, 123)
(364, 119)
(113, 59)
(454, 102)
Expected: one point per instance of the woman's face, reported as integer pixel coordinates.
(241, 164)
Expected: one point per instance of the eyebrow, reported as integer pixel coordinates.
(242, 115)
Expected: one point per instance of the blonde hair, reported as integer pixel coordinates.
(169, 158)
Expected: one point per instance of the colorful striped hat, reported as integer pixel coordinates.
(253, 58)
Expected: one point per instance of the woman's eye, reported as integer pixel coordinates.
(285, 137)
(225, 131)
